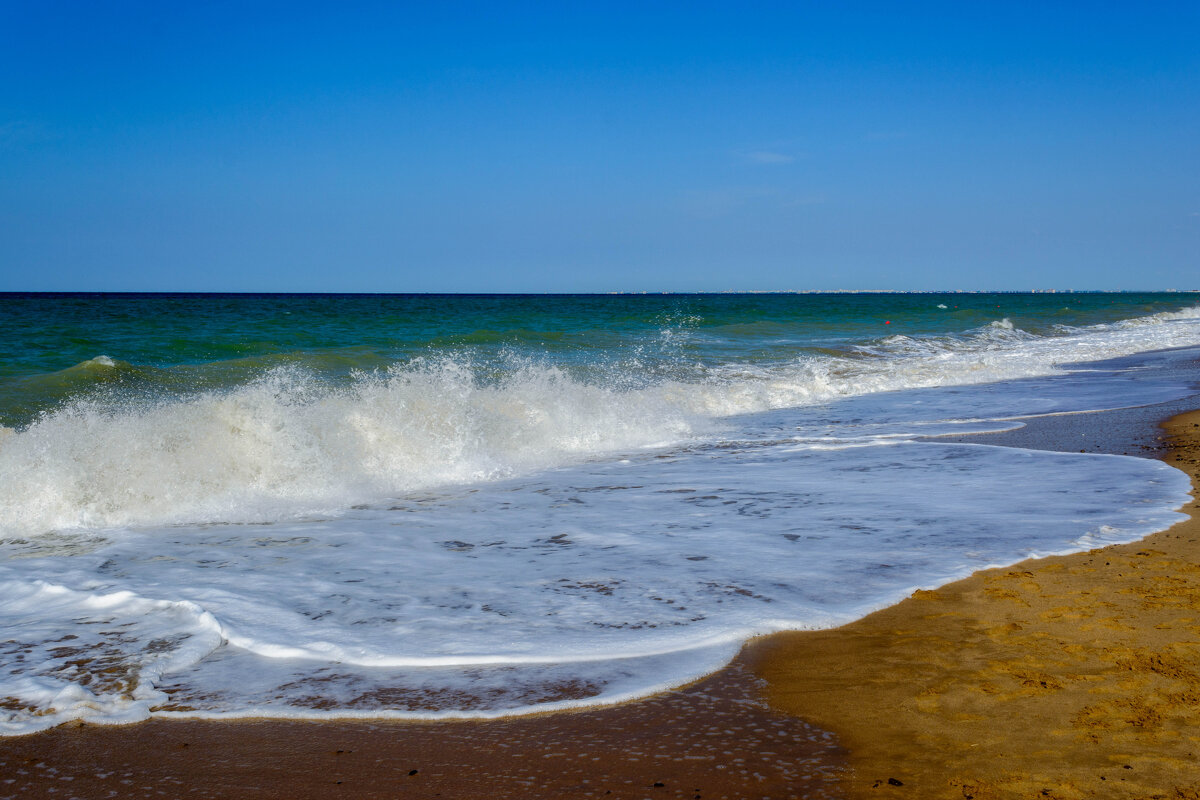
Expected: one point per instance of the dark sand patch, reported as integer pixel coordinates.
(716, 739)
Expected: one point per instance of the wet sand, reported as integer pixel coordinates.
(1066, 677)
(716, 739)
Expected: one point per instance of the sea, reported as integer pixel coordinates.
(436, 506)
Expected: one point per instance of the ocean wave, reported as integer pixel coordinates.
(289, 443)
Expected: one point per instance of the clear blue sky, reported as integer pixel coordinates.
(444, 146)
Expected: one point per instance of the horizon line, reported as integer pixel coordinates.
(609, 293)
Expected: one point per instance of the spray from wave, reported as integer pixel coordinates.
(290, 444)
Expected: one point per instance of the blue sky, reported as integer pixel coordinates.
(225, 146)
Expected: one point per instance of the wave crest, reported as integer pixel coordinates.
(289, 444)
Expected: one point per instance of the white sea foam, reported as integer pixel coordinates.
(94, 655)
(583, 585)
(289, 445)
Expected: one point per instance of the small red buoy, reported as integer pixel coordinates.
(887, 322)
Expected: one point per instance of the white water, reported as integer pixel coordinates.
(533, 543)
(288, 445)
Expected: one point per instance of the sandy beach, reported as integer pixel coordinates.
(1065, 677)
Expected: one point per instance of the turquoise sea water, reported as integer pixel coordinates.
(218, 340)
(420, 505)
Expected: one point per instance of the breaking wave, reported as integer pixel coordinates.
(289, 443)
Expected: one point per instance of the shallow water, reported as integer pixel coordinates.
(586, 500)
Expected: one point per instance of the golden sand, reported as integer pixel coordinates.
(1065, 677)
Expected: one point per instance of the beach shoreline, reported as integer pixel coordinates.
(713, 739)
(1067, 677)
(894, 710)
